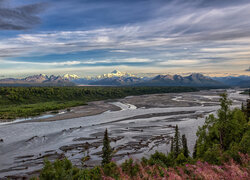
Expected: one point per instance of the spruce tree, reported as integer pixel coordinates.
(177, 142)
(106, 150)
(248, 109)
(184, 145)
(224, 114)
(172, 144)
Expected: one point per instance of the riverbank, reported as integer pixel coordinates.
(26, 102)
(164, 100)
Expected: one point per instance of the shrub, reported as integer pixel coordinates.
(130, 167)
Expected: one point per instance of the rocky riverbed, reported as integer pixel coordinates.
(138, 126)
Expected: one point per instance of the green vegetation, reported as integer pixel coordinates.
(31, 101)
(221, 152)
(106, 149)
(247, 91)
(226, 135)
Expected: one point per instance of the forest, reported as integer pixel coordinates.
(221, 152)
(18, 102)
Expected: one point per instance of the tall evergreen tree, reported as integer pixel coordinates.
(177, 142)
(106, 150)
(248, 109)
(184, 145)
(172, 145)
(224, 114)
(243, 107)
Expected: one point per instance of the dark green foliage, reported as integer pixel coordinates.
(160, 159)
(63, 170)
(184, 145)
(223, 137)
(195, 150)
(111, 170)
(223, 119)
(168, 160)
(177, 142)
(244, 145)
(248, 109)
(90, 174)
(247, 91)
(172, 145)
(213, 154)
(31, 101)
(106, 149)
(243, 107)
(130, 167)
(181, 159)
(59, 170)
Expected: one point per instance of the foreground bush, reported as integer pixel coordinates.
(63, 170)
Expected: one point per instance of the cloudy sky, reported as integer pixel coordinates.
(89, 37)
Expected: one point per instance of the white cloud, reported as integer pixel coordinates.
(184, 28)
(41, 63)
(180, 62)
(119, 51)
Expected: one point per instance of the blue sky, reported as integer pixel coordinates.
(89, 37)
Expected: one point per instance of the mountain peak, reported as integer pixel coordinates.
(197, 76)
(115, 74)
(70, 76)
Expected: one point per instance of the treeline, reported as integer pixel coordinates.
(246, 91)
(221, 152)
(31, 101)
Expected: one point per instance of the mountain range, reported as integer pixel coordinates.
(117, 78)
(241, 81)
(40, 79)
(160, 80)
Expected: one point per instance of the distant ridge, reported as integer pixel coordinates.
(240, 81)
(40, 79)
(126, 79)
(118, 78)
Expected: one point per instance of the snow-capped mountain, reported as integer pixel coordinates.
(117, 78)
(115, 73)
(160, 80)
(38, 79)
(70, 76)
(194, 79)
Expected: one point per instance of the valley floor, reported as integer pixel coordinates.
(138, 126)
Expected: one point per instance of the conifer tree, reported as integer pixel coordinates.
(172, 145)
(177, 142)
(184, 145)
(248, 109)
(224, 116)
(106, 150)
(242, 107)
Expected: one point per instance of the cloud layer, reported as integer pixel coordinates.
(198, 35)
(20, 17)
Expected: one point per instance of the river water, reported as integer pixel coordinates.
(134, 132)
